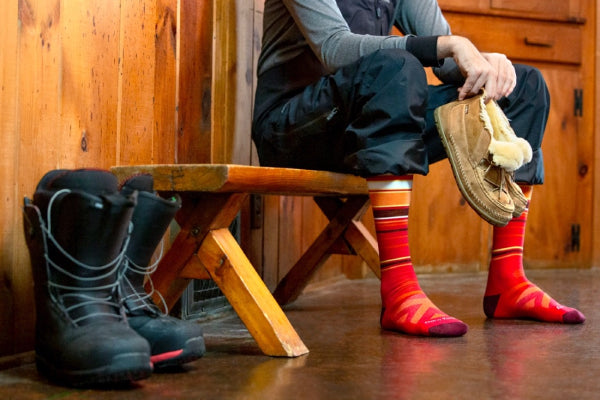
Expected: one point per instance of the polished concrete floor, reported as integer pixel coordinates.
(351, 358)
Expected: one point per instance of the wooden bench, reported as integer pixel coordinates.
(204, 248)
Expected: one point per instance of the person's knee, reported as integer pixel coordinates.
(399, 75)
(397, 62)
(531, 75)
(528, 106)
(531, 86)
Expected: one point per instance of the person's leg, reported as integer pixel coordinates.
(405, 307)
(509, 294)
(367, 119)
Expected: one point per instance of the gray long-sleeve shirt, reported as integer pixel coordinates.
(292, 25)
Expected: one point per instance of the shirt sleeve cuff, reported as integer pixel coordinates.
(425, 49)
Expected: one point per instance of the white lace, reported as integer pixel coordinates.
(54, 288)
(144, 300)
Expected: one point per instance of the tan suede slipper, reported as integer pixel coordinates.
(518, 198)
(467, 136)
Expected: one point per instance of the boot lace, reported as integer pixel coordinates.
(84, 295)
(137, 299)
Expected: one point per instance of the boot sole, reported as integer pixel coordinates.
(193, 350)
(473, 200)
(124, 368)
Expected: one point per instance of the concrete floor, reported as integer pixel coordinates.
(351, 358)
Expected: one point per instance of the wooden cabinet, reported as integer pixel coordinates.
(519, 39)
(556, 36)
(565, 10)
(568, 9)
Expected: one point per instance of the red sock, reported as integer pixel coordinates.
(405, 308)
(509, 294)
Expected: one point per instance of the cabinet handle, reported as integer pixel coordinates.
(537, 43)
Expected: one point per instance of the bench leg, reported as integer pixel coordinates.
(198, 215)
(248, 295)
(364, 244)
(205, 248)
(341, 218)
(356, 236)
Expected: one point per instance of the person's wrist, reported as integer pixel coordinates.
(447, 46)
(444, 46)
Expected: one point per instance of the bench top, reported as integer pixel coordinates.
(232, 178)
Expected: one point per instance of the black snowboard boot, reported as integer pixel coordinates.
(76, 229)
(172, 341)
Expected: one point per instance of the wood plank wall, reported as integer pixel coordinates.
(595, 37)
(92, 84)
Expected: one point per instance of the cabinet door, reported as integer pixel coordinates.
(519, 39)
(560, 219)
(560, 225)
(554, 10)
(567, 9)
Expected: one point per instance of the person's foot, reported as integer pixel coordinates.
(526, 300)
(414, 314)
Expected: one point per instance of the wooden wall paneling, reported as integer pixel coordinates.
(595, 121)
(9, 145)
(233, 81)
(445, 233)
(240, 149)
(551, 214)
(194, 124)
(259, 6)
(39, 81)
(587, 136)
(89, 93)
(148, 82)
(232, 88)
(39, 134)
(137, 65)
(165, 82)
(255, 247)
(224, 86)
(291, 230)
(268, 237)
(355, 267)
(313, 222)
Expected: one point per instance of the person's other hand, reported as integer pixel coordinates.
(506, 76)
(491, 71)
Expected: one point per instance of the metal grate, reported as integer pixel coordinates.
(202, 299)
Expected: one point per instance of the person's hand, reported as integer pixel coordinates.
(506, 78)
(491, 71)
